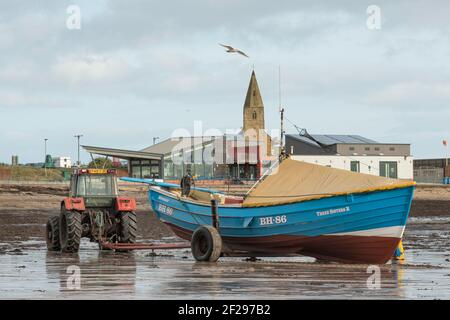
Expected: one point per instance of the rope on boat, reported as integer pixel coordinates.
(265, 174)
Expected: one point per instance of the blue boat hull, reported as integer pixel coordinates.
(360, 228)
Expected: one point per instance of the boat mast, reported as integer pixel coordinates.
(282, 155)
(282, 151)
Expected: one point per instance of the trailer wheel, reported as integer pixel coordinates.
(52, 234)
(206, 244)
(70, 230)
(127, 228)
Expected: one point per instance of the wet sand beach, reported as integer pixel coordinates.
(28, 271)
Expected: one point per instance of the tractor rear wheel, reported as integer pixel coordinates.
(52, 234)
(128, 227)
(70, 230)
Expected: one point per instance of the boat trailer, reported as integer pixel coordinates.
(144, 246)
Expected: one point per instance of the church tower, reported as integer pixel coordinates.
(253, 107)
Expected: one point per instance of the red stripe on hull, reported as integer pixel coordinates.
(345, 248)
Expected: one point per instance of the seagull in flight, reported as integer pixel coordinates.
(230, 49)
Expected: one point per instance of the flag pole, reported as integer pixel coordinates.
(445, 143)
(446, 171)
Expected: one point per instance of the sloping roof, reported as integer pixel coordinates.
(175, 144)
(330, 139)
(163, 147)
(122, 154)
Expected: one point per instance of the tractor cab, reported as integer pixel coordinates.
(98, 187)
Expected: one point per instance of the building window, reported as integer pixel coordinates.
(388, 169)
(352, 148)
(354, 166)
(377, 149)
(145, 172)
(145, 169)
(168, 168)
(367, 148)
(391, 149)
(254, 115)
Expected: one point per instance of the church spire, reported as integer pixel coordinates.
(253, 98)
(253, 106)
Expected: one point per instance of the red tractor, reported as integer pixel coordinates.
(93, 210)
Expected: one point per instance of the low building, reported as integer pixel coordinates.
(354, 153)
(431, 170)
(141, 164)
(62, 162)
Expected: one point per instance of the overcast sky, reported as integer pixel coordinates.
(140, 69)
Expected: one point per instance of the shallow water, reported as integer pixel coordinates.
(32, 272)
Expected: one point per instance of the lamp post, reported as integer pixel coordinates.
(78, 136)
(45, 156)
(445, 143)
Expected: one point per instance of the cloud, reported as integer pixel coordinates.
(12, 99)
(91, 68)
(154, 60)
(412, 95)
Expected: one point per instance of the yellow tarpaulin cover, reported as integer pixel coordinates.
(296, 181)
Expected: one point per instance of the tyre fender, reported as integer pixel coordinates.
(206, 244)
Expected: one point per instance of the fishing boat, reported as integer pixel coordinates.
(298, 209)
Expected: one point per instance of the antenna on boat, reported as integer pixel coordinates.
(279, 87)
(282, 151)
(282, 155)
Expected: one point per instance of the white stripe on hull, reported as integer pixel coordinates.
(394, 232)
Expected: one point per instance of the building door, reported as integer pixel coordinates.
(388, 169)
(252, 172)
(244, 171)
(354, 166)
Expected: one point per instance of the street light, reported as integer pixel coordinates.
(445, 143)
(78, 136)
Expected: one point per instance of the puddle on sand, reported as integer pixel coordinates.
(173, 274)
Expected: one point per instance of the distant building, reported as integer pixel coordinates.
(15, 160)
(62, 162)
(431, 170)
(354, 153)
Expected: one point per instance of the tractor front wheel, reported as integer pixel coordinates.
(70, 230)
(52, 234)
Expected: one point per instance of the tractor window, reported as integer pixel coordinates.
(73, 184)
(96, 185)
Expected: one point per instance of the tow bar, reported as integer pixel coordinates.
(144, 246)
